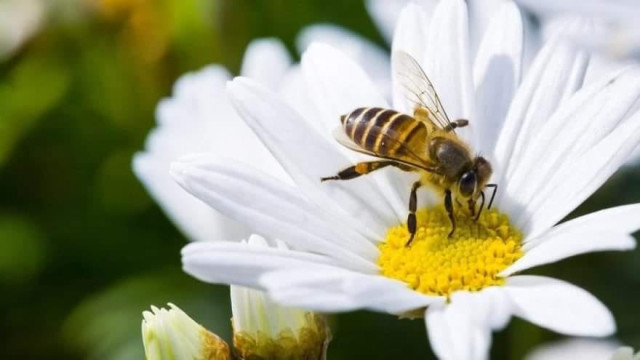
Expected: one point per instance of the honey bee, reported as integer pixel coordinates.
(425, 143)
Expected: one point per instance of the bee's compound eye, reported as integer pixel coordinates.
(468, 183)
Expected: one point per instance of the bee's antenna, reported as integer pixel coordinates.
(493, 195)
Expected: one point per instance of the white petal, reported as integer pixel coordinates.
(492, 307)
(603, 67)
(200, 118)
(194, 218)
(373, 59)
(600, 231)
(583, 177)
(556, 73)
(455, 331)
(592, 8)
(576, 348)
(307, 288)
(308, 157)
(310, 288)
(564, 245)
(385, 14)
(266, 61)
(616, 41)
(532, 42)
(559, 306)
(270, 207)
(447, 62)
(481, 14)
(496, 71)
(295, 92)
(338, 86)
(411, 31)
(223, 262)
(197, 118)
(409, 37)
(620, 219)
(624, 353)
(337, 83)
(584, 120)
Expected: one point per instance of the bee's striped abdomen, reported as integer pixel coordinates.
(381, 131)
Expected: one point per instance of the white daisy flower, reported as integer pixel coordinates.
(172, 334)
(619, 35)
(263, 329)
(551, 143)
(19, 21)
(576, 348)
(625, 353)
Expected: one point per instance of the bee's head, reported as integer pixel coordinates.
(473, 181)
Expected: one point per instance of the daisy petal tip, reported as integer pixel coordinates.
(606, 326)
(314, 47)
(610, 329)
(239, 83)
(632, 244)
(179, 171)
(229, 85)
(410, 8)
(190, 249)
(139, 161)
(319, 50)
(559, 306)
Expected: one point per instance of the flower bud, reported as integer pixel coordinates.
(263, 330)
(172, 334)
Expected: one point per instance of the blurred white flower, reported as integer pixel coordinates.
(583, 349)
(625, 353)
(263, 329)
(19, 21)
(613, 34)
(552, 143)
(575, 348)
(200, 118)
(620, 33)
(172, 334)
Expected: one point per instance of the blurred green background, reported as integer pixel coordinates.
(83, 248)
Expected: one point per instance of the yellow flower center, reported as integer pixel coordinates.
(436, 264)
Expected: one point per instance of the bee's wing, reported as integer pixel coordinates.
(419, 91)
(343, 139)
(408, 157)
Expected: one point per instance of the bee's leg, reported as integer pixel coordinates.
(358, 169)
(412, 222)
(448, 205)
(456, 124)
